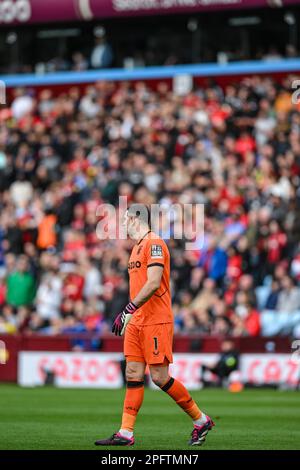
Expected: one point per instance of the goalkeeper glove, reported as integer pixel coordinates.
(123, 318)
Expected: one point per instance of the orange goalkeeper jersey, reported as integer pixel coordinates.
(151, 250)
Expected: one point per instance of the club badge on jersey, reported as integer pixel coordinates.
(156, 251)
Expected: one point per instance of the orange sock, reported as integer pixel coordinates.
(132, 403)
(179, 393)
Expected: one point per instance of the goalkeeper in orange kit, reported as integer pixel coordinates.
(147, 321)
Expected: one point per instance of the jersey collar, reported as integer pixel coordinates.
(144, 237)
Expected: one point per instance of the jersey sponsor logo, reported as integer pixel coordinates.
(134, 264)
(156, 251)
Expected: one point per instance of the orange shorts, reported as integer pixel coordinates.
(151, 344)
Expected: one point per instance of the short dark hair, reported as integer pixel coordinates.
(141, 211)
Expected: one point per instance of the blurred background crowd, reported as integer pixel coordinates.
(236, 150)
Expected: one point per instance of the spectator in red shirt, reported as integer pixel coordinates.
(275, 243)
(73, 286)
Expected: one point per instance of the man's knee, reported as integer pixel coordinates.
(134, 372)
(159, 375)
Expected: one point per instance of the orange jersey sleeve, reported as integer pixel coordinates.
(156, 253)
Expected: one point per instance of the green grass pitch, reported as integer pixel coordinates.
(49, 418)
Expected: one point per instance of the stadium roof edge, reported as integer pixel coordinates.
(153, 73)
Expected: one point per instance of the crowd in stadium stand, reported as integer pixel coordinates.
(102, 56)
(236, 150)
(96, 50)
